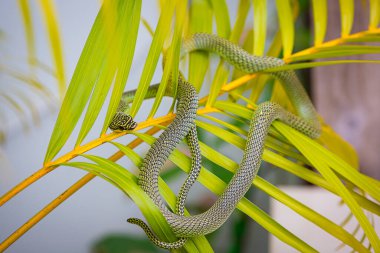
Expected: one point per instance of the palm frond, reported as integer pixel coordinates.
(86, 75)
(347, 16)
(222, 18)
(123, 179)
(160, 34)
(200, 13)
(172, 58)
(260, 26)
(286, 24)
(374, 7)
(320, 20)
(334, 160)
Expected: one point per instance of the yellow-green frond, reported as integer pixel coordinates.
(50, 18)
(229, 99)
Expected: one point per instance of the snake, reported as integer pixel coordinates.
(306, 121)
(123, 121)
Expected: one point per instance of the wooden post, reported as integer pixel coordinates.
(348, 96)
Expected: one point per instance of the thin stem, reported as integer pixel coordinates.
(331, 43)
(65, 195)
(21, 186)
(231, 86)
(74, 153)
(45, 211)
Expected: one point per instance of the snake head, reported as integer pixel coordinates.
(122, 122)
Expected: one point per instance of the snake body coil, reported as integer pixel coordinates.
(306, 122)
(182, 125)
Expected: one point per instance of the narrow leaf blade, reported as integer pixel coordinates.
(51, 23)
(200, 21)
(81, 85)
(285, 16)
(259, 26)
(347, 16)
(131, 21)
(320, 20)
(161, 33)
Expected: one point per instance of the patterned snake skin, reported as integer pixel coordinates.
(204, 223)
(187, 106)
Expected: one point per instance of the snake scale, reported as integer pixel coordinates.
(183, 125)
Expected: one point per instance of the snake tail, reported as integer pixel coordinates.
(152, 237)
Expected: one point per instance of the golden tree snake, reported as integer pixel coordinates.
(183, 126)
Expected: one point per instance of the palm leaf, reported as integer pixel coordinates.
(128, 183)
(260, 26)
(285, 16)
(334, 160)
(347, 16)
(86, 75)
(82, 82)
(200, 21)
(320, 20)
(171, 65)
(50, 15)
(29, 34)
(222, 18)
(374, 7)
(215, 185)
(155, 50)
(130, 24)
(343, 192)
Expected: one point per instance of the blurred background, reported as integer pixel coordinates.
(94, 219)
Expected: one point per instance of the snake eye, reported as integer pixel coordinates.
(133, 126)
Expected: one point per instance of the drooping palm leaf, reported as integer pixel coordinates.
(171, 70)
(200, 13)
(29, 34)
(29, 81)
(50, 16)
(161, 33)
